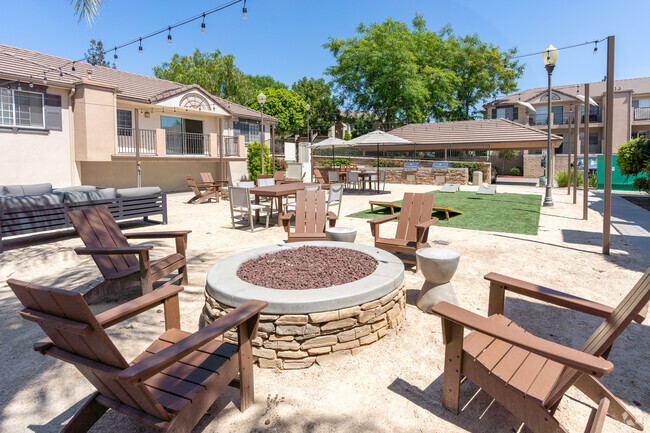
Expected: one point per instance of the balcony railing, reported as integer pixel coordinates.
(642, 113)
(126, 141)
(187, 143)
(230, 146)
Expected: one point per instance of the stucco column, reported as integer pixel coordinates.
(241, 145)
(213, 144)
(161, 142)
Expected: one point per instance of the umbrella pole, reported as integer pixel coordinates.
(332, 156)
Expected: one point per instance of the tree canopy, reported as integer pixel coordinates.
(405, 74)
(95, 55)
(286, 106)
(324, 107)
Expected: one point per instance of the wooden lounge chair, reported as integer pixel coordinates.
(319, 178)
(211, 192)
(527, 374)
(207, 179)
(124, 266)
(172, 384)
(412, 227)
(311, 215)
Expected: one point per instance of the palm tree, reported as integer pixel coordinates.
(87, 9)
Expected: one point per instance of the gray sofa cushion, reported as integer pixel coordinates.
(33, 189)
(13, 190)
(30, 202)
(138, 192)
(82, 196)
(76, 188)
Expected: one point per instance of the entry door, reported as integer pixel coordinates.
(194, 139)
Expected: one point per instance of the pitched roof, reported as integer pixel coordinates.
(475, 134)
(21, 64)
(596, 89)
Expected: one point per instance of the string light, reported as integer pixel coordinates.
(44, 78)
(31, 82)
(244, 10)
(115, 60)
(19, 86)
(60, 73)
(169, 36)
(203, 24)
(595, 47)
(73, 68)
(140, 47)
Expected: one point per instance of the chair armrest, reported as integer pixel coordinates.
(136, 306)
(159, 361)
(589, 364)
(332, 217)
(426, 224)
(153, 235)
(114, 250)
(286, 220)
(502, 282)
(382, 219)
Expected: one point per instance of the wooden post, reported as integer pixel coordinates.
(568, 156)
(137, 147)
(576, 143)
(585, 152)
(609, 139)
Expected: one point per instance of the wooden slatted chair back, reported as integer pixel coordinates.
(78, 338)
(192, 184)
(319, 176)
(311, 211)
(206, 177)
(97, 229)
(416, 208)
(605, 335)
(278, 176)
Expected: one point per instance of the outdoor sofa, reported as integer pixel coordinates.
(38, 207)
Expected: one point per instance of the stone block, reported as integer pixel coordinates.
(393, 312)
(269, 317)
(282, 345)
(370, 338)
(274, 337)
(346, 336)
(358, 350)
(297, 330)
(362, 331)
(297, 364)
(378, 325)
(349, 312)
(266, 327)
(292, 319)
(257, 341)
(381, 332)
(319, 350)
(260, 352)
(366, 316)
(389, 297)
(324, 340)
(326, 316)
(270, 363)
(345, 346)
(371, 305)
(338, 324)
(333, 357)
(293, 354)
(378, 319)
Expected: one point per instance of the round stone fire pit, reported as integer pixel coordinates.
(306, 323)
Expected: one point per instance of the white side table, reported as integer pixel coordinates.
(438, 265)
(341, 234)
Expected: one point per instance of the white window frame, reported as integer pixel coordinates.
(13, 103)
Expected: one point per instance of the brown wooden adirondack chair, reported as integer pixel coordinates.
(412, 227)
(211, 192)
(124, 266)
(171, 384)
(321, 181)
(311, 215)
(207, 179)
(527, 374)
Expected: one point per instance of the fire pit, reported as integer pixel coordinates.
(325, 299)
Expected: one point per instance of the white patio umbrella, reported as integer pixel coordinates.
(378, 137)
(331, 142)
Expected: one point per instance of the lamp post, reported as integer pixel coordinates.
(261, 99)
(550, 57)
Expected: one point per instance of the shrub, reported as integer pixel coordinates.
(279, 163)
(254, 163)
(593, 180)
(388, 163)
(472, 167)
(634, 160)
(337, 162)
(347, 135)
(562, 178)
(515, 171)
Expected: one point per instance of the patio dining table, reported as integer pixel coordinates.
(364, 175)
(277, 191)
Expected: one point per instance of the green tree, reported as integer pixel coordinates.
(506, 155)
(95, 55)
(405, 74)
(634, 160)
(215, 72)
(284, 105)
(254, 163)
(260, 82)
(324, 108)
(347, 135)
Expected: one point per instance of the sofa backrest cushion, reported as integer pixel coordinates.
(84, 196)
(29, 202)
(76, 188)
(138, 192)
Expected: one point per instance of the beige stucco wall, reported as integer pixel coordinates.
(95, 123)
(39, 158)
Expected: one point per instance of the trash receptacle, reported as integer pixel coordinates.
(477, 177)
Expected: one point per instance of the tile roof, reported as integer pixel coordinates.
(472, 132)
(20, 64)
(596, 89)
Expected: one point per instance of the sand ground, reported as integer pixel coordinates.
(394, 385)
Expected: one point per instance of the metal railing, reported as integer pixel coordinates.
(187, 143)
(642, 113)
(126, 141)
(230, 146)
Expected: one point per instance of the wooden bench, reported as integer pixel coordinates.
(392, 206)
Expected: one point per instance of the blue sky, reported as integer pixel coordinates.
(284, 38)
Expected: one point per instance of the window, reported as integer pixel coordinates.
(18, 108)
(510, 113)
(124, 123)
(641, 103)
(594, 142)
(541, 116)
(560, 149)
(250, 129)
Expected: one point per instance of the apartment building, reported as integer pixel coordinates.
(69, 123)
(529, 107)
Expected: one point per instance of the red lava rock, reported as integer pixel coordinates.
(307, 267)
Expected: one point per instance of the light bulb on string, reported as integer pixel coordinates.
(140, 47)
(203, 24)
(44, 78)
(244, 10)
(595, 47)
(19, 86)
(60, 73)
(115, 60)
(31, 82)
(73, 68)
(169, 36)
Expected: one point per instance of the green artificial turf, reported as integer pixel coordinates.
(509, 213)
